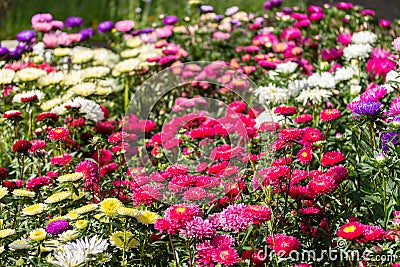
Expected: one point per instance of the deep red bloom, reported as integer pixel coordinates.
(322, 184)
(237, 106)
(305, 155)
(21, 146)
(36, 183)
(312, 135)
(12, 114)
(105, 128)
(202, 132)
(109, 167)
(3, 173)
(303, 118)
(285, 110)
(330, 114)
(117, 137)
(338, 173)
(290, 134)
(332, 158)
(48, 116)
(61, 160)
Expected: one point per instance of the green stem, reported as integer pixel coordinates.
(126, 101)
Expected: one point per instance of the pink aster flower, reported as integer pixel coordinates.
(61, 160)
(58, 134)
(396, 44)
(37, 145)
(283, 244)
(198, 228)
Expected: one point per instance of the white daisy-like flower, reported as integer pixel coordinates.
(84, 89)
(68, 258)
(92, 246)
(126, 66)
(95, 72)
(51, 104)
(72, 77)
(297, 86)
(324, 80)
(128, 53)
(6, 76)
(344, 74)
(105, 57)
(272, 94)
(29, 74)
(364, 37)
(68, 235)
(81, 55)
(51, 78)
(61, 51)
(286, 68)
(89, 108)
(392, 80)
(133, 42)
(24, 96)
(19, 245)
(316, 96)
(357, 51)
(3, 192)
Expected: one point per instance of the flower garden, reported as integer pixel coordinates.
(235, 139)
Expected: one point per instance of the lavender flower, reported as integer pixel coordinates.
(105, 26)
(86, 33)
(368, 108)
(231, 10)
(170, 20)
(387, 137)
(3, 50)
(287, 10)
(57, 227)
(147, 30)
(72, 22)
(206, 9)
(26, 36)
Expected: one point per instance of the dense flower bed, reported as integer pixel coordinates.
(298, 168)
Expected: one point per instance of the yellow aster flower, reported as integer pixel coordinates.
(72, 215)
(128, 212)
(57, 197)
(148, 217)
(102, 218)
(85, 209)
(70, 177)
(23, 193)
(3, 191)
(34, 209)
(81, 224)
(121, 239)
(38, 234)
(6, 232)
(69, 235)
(109, 206)
(80, 195)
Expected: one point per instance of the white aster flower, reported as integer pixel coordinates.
(51, 104)
(89, 108)
(272, 94)
(364, 37)
(297, 86)
(68, 235)
(29, 74)
(6, 76)
(392, 80)
(357, 51)
(286, 68)
(105, 57)
(72, 77)
(61, 52)
(81, 55)
(344, 74)
(51, 78)
(92, 246)
(316, 96)
(126, 66)
(324, 80)
(128, 53)
(68, 258)
(84, 89)
(19, 245)
(95, 72)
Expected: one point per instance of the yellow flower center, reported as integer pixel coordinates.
(349, 229)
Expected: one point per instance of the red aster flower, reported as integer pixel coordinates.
(281, 161)
(290, 134)
(3, 173)
(104, 128)
(305, 155)
(109, 167)
(12, 114)
(258, 214)
(47, 116)
(146, 194)
(217, 167)
(58, 134)
(102, 157)
(226, 256)
(36, 183)
(298, 176)
(166, 225)
(11, 185)
(312, 135)
(202, 132)
(256, 256)
(283, 244)
(338, 173)
(303, 118)
(314, 173)
(285, 110)
(330, 114)
(181, 182)
(314, 210)
(117, 137)
(322, 184)
(332, 158)
(237, 106)
(175, 170)
(61, 160)
(372, 233)
(196, 193)
(89, 169)
(29, 98)
(351, 230)
(269, 127)
(202, 167)
(181, 213)
(37, 145)
(21, 146)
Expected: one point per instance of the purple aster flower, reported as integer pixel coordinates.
(368, 108)
(105, 26)
(15, 54)
(389, 137)
(395, 122)
(267, 5)
(218, 17)
(57, 227)
(236, 22)
(136, 32)
(26, 36)
(147, 30)
(3, 50)
(276, 3)
(86, 33)
(170, 20)
(72, 22)
(206, 9)
(231, 10)
(287, 10)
